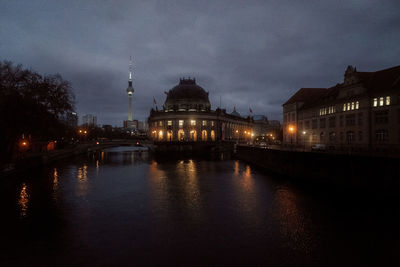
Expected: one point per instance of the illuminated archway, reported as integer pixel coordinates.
(181, 135)
(212, 135)
(160, 135)
(204, 135)
(193, 135)
(169, 135)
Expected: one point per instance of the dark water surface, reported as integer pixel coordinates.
(122, 207)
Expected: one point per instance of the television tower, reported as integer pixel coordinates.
(130, 91)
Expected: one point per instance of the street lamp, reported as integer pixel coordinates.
(291, 131)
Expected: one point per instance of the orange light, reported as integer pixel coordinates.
(291, 129)
(80, 131)
(97, 143)
(85, 132)
(24, 143)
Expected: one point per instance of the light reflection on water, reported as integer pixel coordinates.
(23, 200)
(136, 206)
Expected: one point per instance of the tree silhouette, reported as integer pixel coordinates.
(31, 104)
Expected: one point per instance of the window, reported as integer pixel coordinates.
(180, 123)
(313, 137)
(321, 136)
(387, 101)
(332, 136)
(341, 120)
(350, 136)
(332, 122)
(169, 123)
(314, 124)
(322, 123)
(382, 135)
(360, 135)
(193, 122)
(293, 117)
(357, 104)
(360, 118)
(341, 136)
(348, 106)
(307, 124)
(352, 105)
(212, 123)
(381, 101)
(381, 117)
(350, 120)
(375, 102)
(344, 107)
(160, 123)
(204, 123)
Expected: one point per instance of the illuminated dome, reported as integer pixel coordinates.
(187, 96)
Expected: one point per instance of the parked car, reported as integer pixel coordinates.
(318, 147)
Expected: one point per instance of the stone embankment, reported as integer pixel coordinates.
(28, 161)
(343, 170)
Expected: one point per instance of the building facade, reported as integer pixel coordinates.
(89, 120)
(362, 113)
(187, 116)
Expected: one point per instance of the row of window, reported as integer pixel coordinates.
(181, 123)
(351, 106)
(380, 135)
(381, 101)
(328, 110)
(182, 136)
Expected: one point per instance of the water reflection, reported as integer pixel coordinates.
(245, 195)
(82, 186)
(55, 183)
(23, 200)
(292, 220)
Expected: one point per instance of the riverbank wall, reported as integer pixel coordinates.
(35, 160)
(342, 170)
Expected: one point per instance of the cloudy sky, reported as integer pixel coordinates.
(249, 53)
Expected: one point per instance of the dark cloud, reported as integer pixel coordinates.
(246, 53)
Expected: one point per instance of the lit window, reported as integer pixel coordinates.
(204, 123)
(344, 107)
(348, 106)
(169, 123)
(375, 102)
(193, 122)
(381, 101)
(357, 104)
(180, 123)
(387, 100)
(160, 123)
(212, 123)
(352, 105)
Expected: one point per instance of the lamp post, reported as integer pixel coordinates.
(291, 132)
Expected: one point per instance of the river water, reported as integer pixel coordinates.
(123, 207)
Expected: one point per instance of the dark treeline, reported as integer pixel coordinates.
(32, 105)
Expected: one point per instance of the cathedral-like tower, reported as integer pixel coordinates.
(130, 91)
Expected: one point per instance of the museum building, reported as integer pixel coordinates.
(362, 112)
(187, 116)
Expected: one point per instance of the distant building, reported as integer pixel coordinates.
(89, 120)
(265, 127)
(187, 116)
(131, 124)
(361, 113)
(71, 119)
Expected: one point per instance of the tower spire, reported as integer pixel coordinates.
(130, 90)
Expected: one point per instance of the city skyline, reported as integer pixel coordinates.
(257, 54)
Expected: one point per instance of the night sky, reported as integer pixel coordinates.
(251, 53)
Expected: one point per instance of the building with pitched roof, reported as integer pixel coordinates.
(362, 113)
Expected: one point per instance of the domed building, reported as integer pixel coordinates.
(187, 117)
